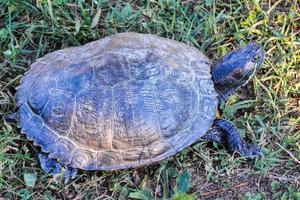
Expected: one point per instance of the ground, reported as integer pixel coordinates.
(266, 111)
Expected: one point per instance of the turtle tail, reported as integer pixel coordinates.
(13, 118)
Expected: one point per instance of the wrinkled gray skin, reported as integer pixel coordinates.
(129, 100)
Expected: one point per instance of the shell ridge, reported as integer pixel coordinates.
(113, 109)
(73, 115)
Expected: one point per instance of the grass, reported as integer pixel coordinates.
(266, 111)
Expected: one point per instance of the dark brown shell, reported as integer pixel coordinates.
(123, 101)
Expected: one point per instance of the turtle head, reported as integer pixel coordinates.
(236, 68)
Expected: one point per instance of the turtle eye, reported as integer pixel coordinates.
(238, 75)
(255, 58)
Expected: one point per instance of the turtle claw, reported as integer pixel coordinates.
(69, 173)
(249, 151)
(51, 166)
(13, 118)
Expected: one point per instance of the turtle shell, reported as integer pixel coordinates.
(120, 102)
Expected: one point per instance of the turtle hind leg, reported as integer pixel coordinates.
(52, 166)
(226, 133)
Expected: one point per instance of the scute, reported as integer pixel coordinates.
(125, 133)
(176, 106)
(76, 77)
(84, 159)
(110, 160)
(112, 70)
(63, 150)
(58, 113)
(92, 117)
(120, 102)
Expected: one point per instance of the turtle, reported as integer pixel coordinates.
(129, 100)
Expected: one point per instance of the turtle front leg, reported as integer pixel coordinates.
(51, 166)
(226, 133)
